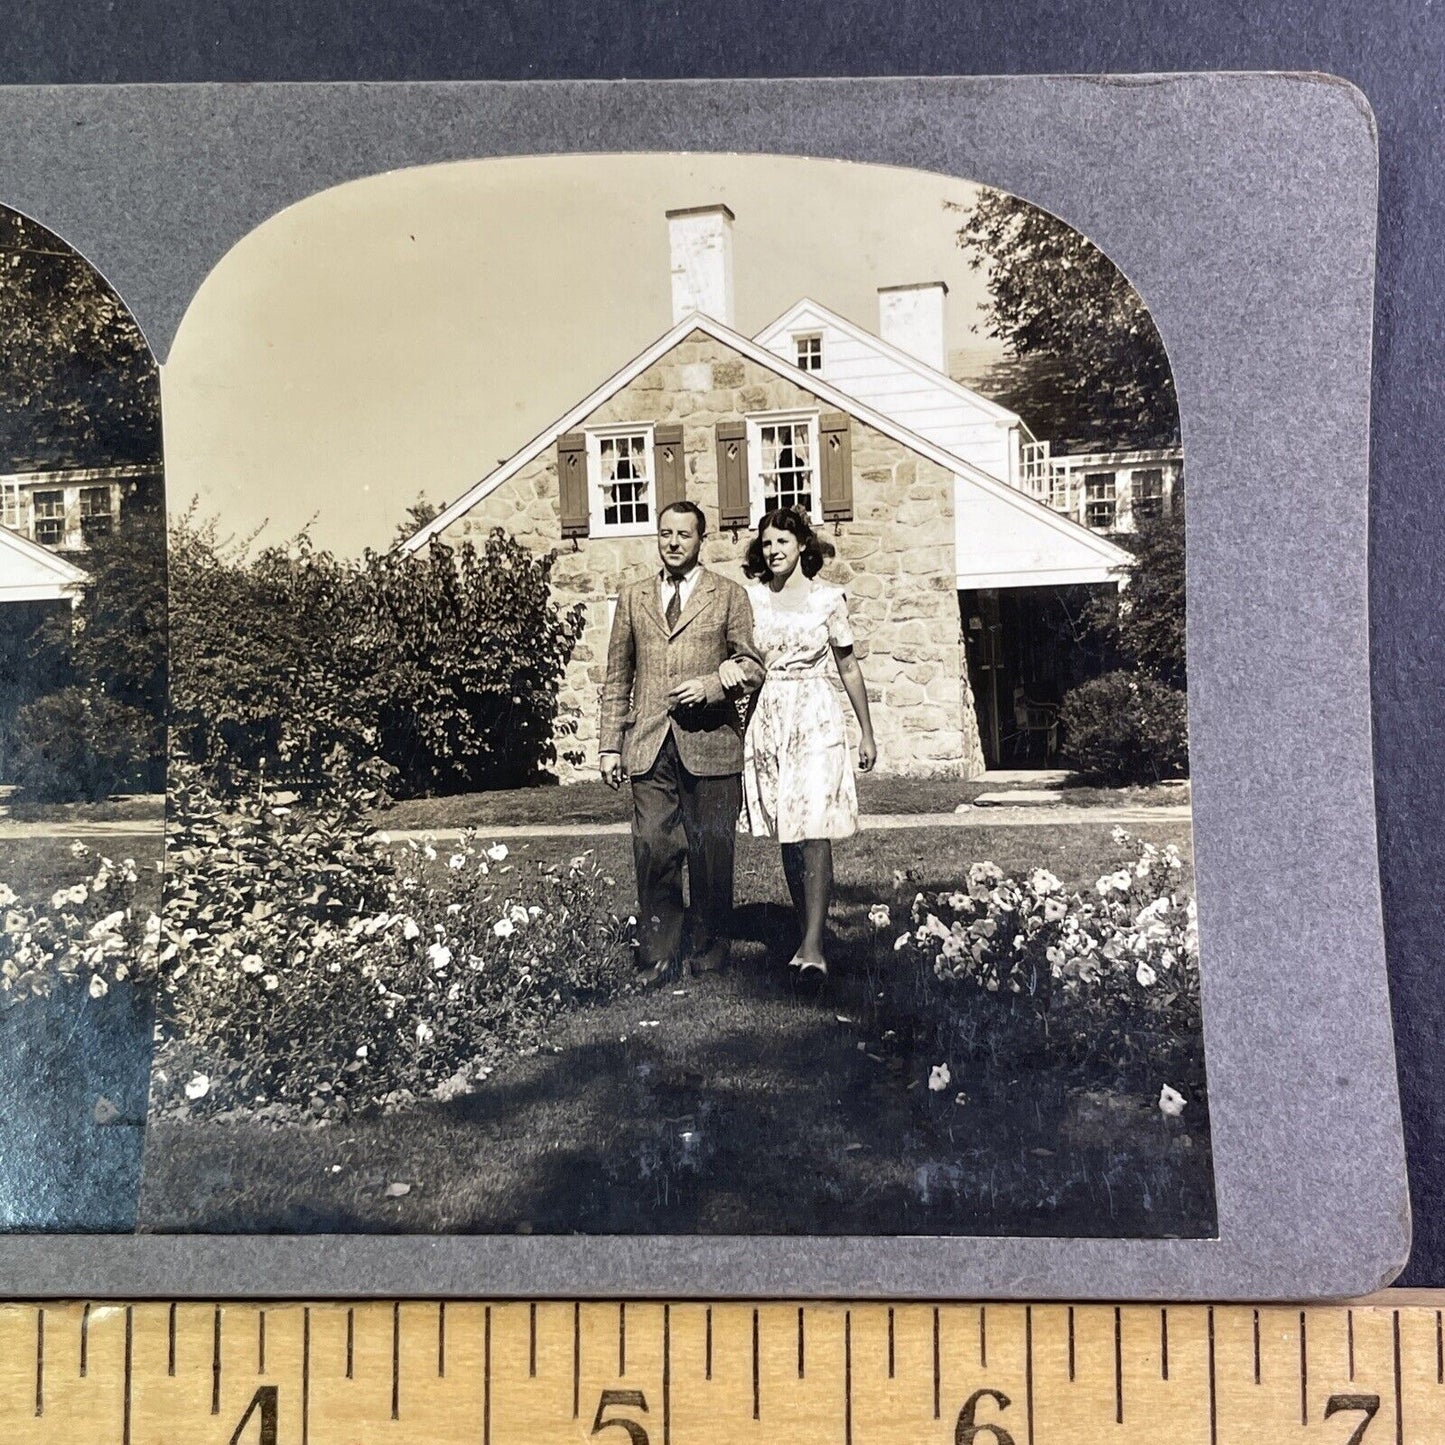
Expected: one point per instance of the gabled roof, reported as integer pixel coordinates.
(32, 573)
(807, 307)
(809, 381)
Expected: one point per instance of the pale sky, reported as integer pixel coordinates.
(405, 333)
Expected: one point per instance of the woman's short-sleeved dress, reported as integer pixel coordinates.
(797, 771)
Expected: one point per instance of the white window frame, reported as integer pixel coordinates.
(798, 338)
(755, 424)
(1112, 499)
(596, 500)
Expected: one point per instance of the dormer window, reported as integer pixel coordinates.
(621, 491)
(808, 350)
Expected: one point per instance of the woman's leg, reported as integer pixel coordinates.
(793, 869)
(817, 890)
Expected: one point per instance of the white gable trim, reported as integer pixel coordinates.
(813, 310)
(1111, 555)
(20, 562)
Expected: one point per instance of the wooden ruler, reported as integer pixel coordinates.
(1370, 1373)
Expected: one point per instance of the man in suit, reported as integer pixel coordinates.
(669, 725)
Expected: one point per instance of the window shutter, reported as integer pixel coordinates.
(668, 480)
(836, 444)
(572, 483)
(732, 474)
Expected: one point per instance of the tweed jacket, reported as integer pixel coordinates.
(645, 661)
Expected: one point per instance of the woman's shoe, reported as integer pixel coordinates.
(814, 966)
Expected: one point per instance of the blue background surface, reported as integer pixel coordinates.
(1394, 52)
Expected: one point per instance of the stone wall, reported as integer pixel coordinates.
(894, 559)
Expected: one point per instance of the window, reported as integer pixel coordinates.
(10, 506)
(49, 518)
(619, 463)
(782, 457)
(1147, 491)
(96, 512)
(1099, 500)
(809, 351)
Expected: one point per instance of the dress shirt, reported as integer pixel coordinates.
(689, 581)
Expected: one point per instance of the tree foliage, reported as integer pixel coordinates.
(1063, 307)
(78, 383)
(441, 670)
(1144, 621)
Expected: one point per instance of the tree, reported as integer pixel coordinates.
(1081, 333)
(418, 515)
(78, 383)
(1144, 622)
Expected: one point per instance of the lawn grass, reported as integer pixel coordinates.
(36, 866)
(590, 802)
(742, 1103)
(133, 808)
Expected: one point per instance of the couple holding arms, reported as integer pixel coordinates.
(718, 706)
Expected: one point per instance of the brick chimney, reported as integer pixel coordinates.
(911, 318)
(702, 261)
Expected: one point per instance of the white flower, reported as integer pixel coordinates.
(959, 902)
(1146, 975)
(878, 916)
(1171, 1102)
(362, 1052)
(504, 928)
(457, 861)
(272, 982)
(251, 964)
(939, 1078)
(14, 922)
(98, 986)
(518, 914)
(454, 908)
(429, 853)
(409, 929)
(1055, 956)
(901, 941)
(60, 898)
(198, 1087)
(1054, 909)
(153, 929)
(1042, 882)
(440, 955)
(497, 852)
(7, 895)
(108, 924)
(79, 850)
(424, 1033)
(1119, 835)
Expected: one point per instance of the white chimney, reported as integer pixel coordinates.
(702, 262)
(911, 318)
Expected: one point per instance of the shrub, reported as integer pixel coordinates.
(1126, 728)
(307, 969)
(78, 745)
(1144, 622)
(1111, 978)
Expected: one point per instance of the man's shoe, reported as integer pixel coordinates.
(710, 960)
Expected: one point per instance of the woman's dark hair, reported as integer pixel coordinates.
(788, 519)
(692, 509)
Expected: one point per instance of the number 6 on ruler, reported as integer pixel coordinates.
(966, 1431)
(633, 1398)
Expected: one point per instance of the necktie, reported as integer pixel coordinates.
(674, 604)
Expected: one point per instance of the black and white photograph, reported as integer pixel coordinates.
(82, 734)
(677, 717)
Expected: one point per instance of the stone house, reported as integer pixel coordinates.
(924, 488)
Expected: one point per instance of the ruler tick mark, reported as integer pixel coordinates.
(129, 1353)
(847, 1372)
(576, 1360)
(667, 1374)
(216, 1361)
(1164, 1344)
(890, 1342)
(1213, 1401)
(532, 1340)
(1029, 1368)
(1304, 1373)
(40, 1363)
(757, 1398)
(171, 1342)
(1399, 1392)
(622, 1339)
(983, 1337)
(305, 1376)
(1118, 1366)
(396, 1361)
(442, 1339)
(84, 1339)
(350, 1344)
(800, 1342)
(937, 1364)
(1350, 1340)
(260, 1342)
(1256, 1347)
(1439, 1349)
(709, 1342)
(1071, 1342)
(487, 1375)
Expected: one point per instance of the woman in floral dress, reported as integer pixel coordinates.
(797, 774)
